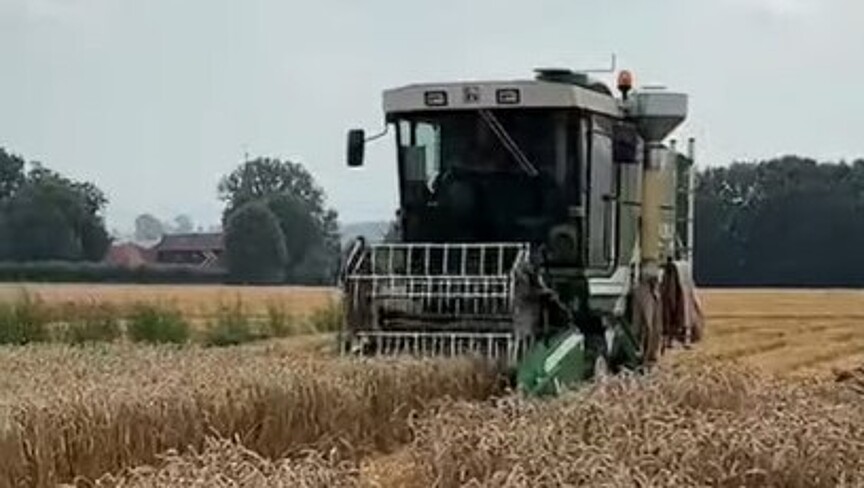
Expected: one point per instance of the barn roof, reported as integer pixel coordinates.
(191, 242)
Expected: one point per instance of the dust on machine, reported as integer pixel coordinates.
(545, 224)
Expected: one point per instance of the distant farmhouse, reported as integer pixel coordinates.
(203, 250)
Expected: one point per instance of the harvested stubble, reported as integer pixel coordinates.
(697, 427)
(803, 333)
(852, 379)
(228, 464)
(71, 413)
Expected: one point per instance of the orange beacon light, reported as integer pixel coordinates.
(625, 83)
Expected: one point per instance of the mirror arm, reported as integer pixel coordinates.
(357, 141)
(380, 134)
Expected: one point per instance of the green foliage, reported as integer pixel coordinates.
(84, 272)
(46, 216)
(302, 235)
(231, 327)
(23, 321)
(6, 238)
(291, 193)
(40, 228)
(148, 228)
(11, 174)
(255, 246)
(95, 240)
(265, 177)
(784, 222)
(183, 224)
(99, 323)
(317, 269)
(157, 325)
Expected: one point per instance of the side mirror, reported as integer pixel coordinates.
(356, 147)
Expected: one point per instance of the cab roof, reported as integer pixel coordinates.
(471, 95)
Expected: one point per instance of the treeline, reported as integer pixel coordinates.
(47, 216)
(277, 229)
(785, 222)
(52, 229)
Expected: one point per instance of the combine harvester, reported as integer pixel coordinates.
(543, 224)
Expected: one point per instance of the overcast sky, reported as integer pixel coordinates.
(155, 99)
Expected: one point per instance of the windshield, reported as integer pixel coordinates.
(504, 142)
(483, 175)
(507, 176)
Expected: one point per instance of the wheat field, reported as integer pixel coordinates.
(796, 333)
(75, 414)
(702, 426)
(754, 404)
(195, 301)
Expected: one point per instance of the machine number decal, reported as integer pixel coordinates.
(471, 94)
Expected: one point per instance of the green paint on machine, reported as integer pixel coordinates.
(554, 365)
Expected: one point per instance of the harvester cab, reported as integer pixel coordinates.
(540, 223)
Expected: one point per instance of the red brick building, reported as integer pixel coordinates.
(129, 255)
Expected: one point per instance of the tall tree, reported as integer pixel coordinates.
(148, 228)
(6, 238)
(291, 193)
(11, 174)
(48, 216)
(255, 245)
(183, 224)
(302, 233)
(263, 177)
(39, 220)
